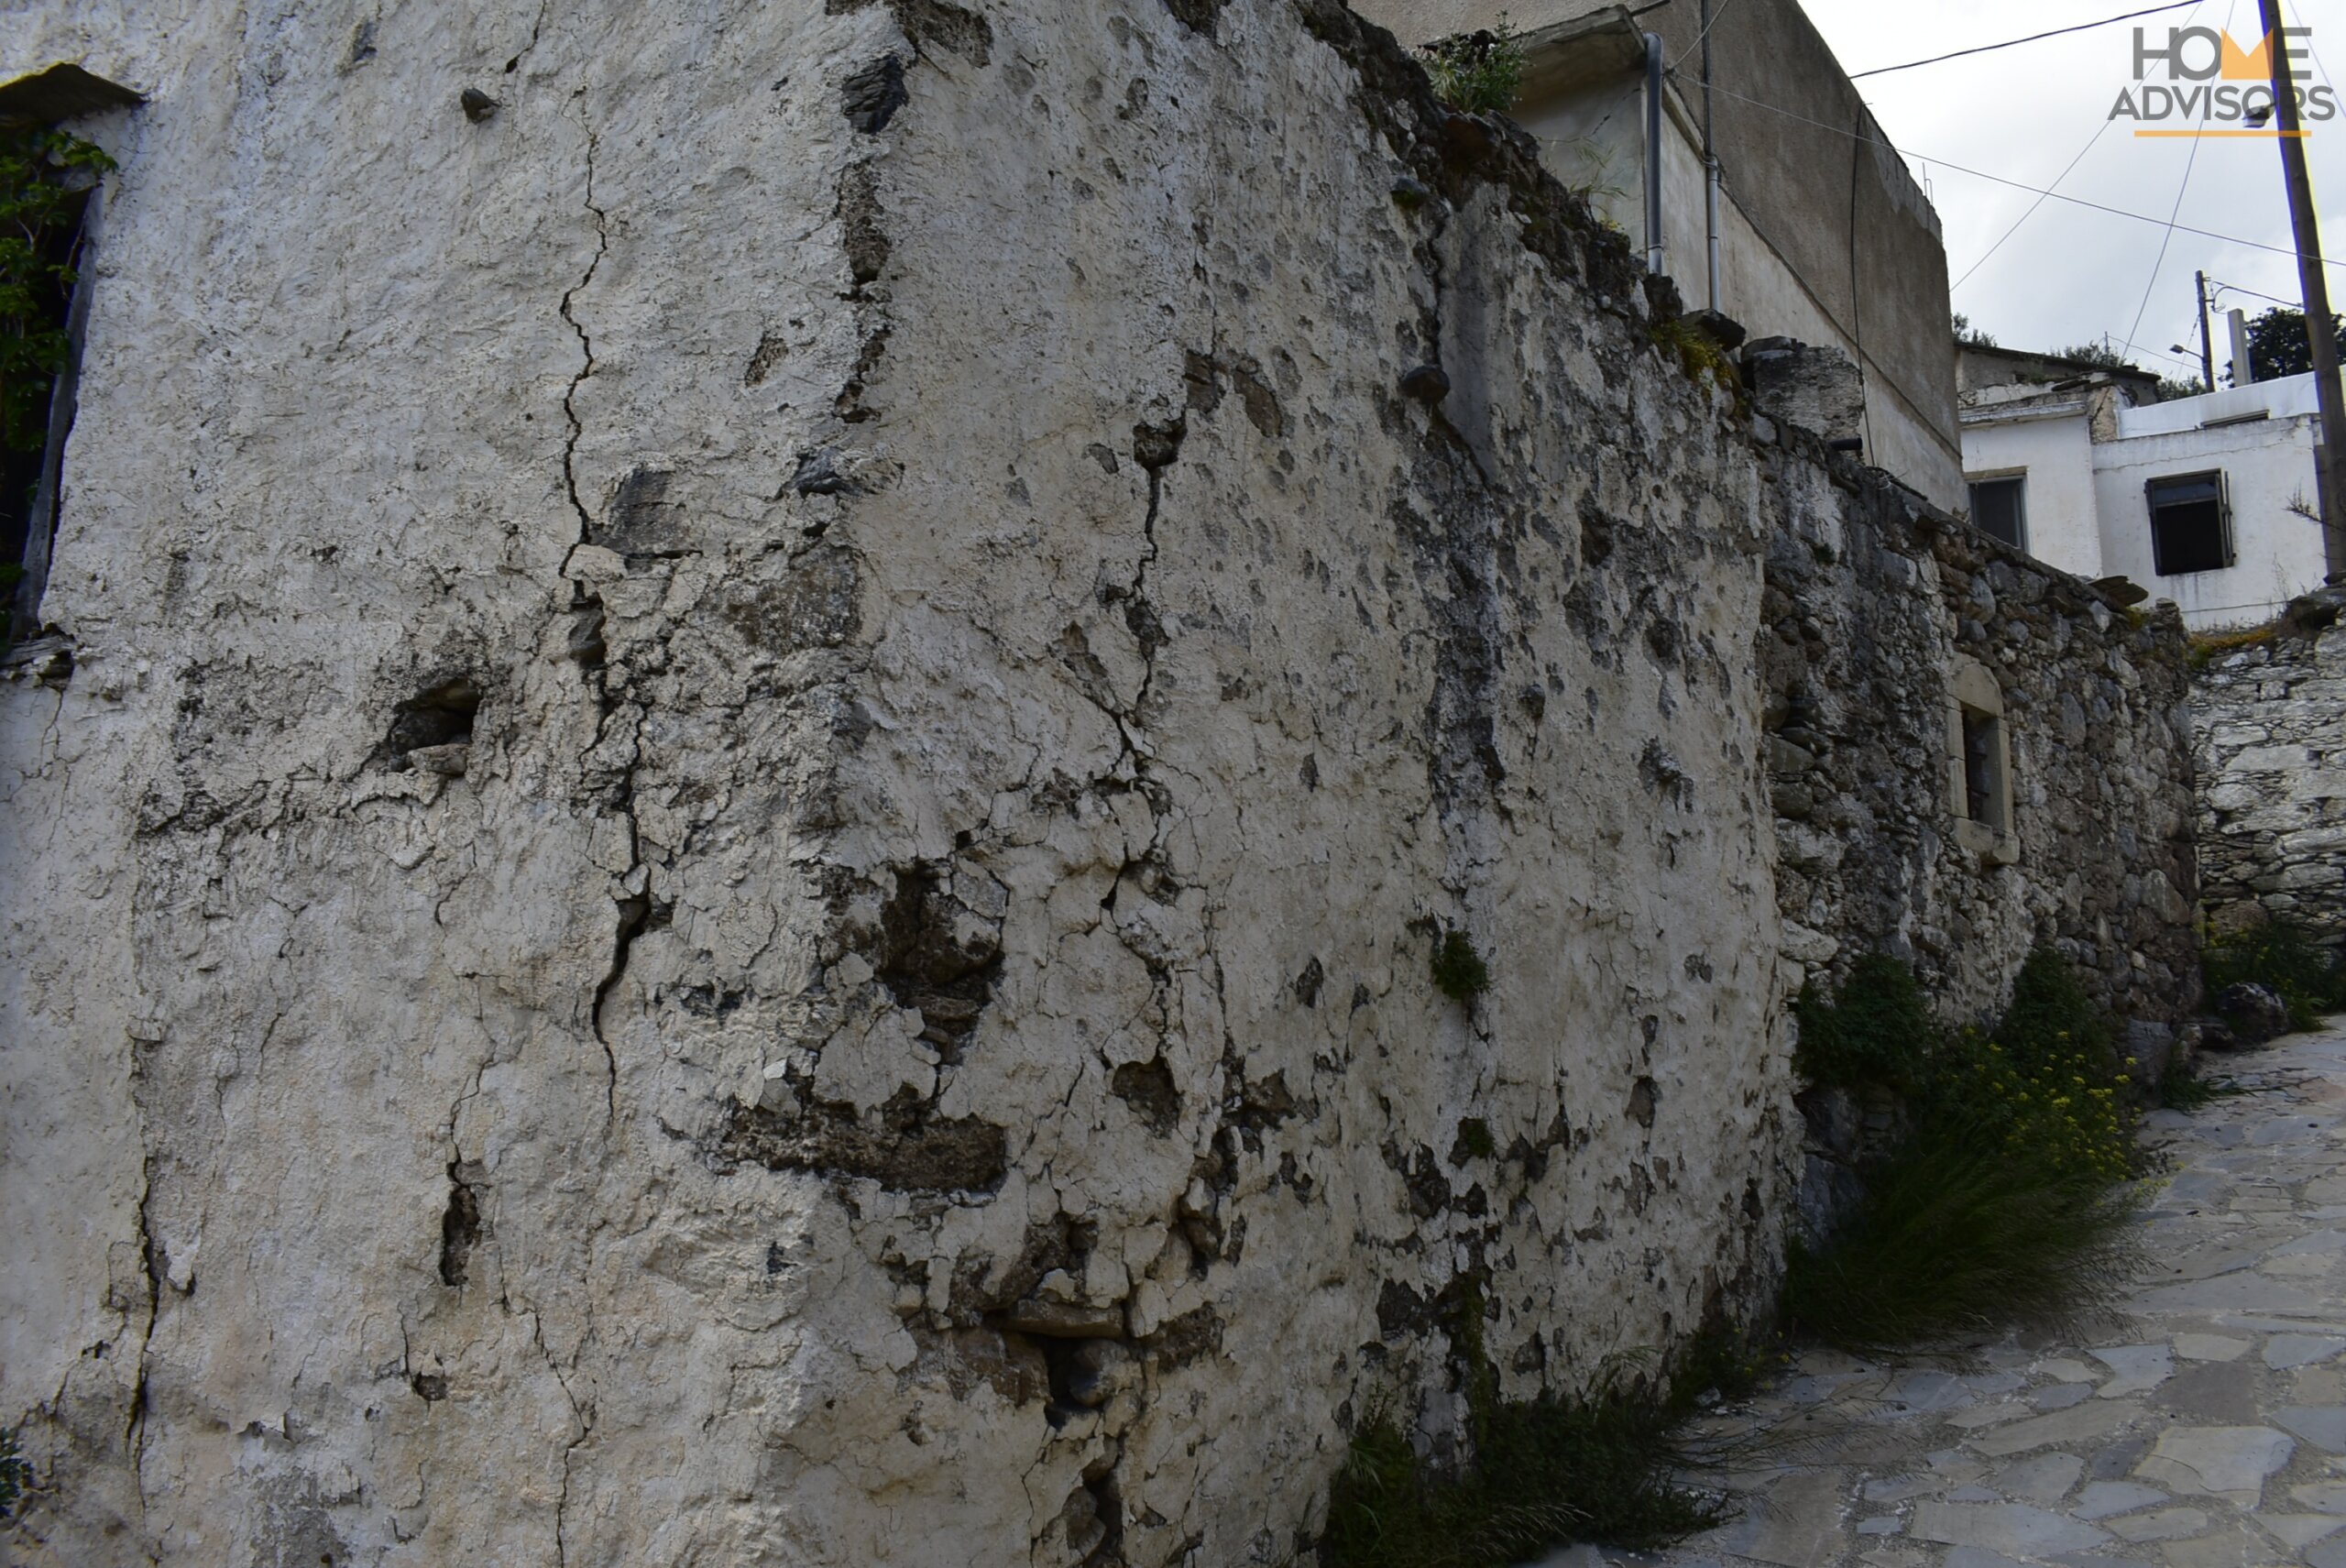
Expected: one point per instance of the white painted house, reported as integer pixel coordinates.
(2206, 501)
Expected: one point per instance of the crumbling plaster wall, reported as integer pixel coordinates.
(1874, 601)
(2271, 728)
(760, 761)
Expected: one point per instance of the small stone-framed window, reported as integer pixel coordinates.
(2000, 506)
(1980, 765)
(2191, 523)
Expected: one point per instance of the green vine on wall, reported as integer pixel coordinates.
(43, 173)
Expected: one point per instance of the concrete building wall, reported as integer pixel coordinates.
(2261, 437)
(1825, 238)
(2055, 453)
(729, 844)
(2267, 466)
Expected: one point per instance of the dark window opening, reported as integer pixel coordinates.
(1983, 795)
(49, 177)
(36, 381)
(1999, 508)
(2191, 529)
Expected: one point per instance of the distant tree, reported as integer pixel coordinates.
(2277, 344)
(2100, 354)
(2172, 387)
(1970, 336)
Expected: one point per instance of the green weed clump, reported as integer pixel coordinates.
(1877, 1029)
(2182, 1090)
(1699, 354)
(1459, 971)
(2204, 648)
(1957, 1235)
(14, 1473)
(2282, 955)
(1602, 1468)
(2007, 1202)
(1478, 73)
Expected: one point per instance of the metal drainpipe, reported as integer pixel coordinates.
(1711, 210)
(1653, 152)
(1710, 170)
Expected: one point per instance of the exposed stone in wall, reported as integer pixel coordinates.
(2270, 731)
(1873, 598)
(760, 761)
(1874, 602)
(764, 761)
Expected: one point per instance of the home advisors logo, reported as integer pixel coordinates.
(2215, 88)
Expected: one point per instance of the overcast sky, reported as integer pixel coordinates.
(2070, 274)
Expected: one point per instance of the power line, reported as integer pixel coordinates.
(2309, 48)
(2173, 213)
(2235, 288)
(2007, 43)
(2042, 197)
(1690, 49)
(2048, 190)
(2018, 185)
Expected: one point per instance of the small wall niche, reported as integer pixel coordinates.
(1980, 765)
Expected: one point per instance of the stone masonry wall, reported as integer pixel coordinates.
(1873, 598)
(2271, 728)
(761, 762)
(729, 849)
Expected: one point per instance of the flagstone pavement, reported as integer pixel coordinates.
(2210, 1429)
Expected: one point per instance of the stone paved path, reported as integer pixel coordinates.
(2211, 1430)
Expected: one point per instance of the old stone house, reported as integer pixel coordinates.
(750, 727)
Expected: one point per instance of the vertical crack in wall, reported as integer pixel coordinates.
(586, 343)
(134, 1433)
(633, 910)
(583, 1416)
(1154, 447)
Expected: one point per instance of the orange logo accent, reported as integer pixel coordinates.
(2247, 65)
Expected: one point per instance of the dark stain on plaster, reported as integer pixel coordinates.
(904, 1145)
(858, 212)
(460, 1223)
(1198, 16)
(442, 714)
(949, 27)
(815, 606)
(1202, 377)
(934, 956)
(849, 405)
(1147, 1087)
(772, 350)
(640, 518)
(871, 97)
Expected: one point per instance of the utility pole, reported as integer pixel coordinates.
(2315, 286)
(2207, 344)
